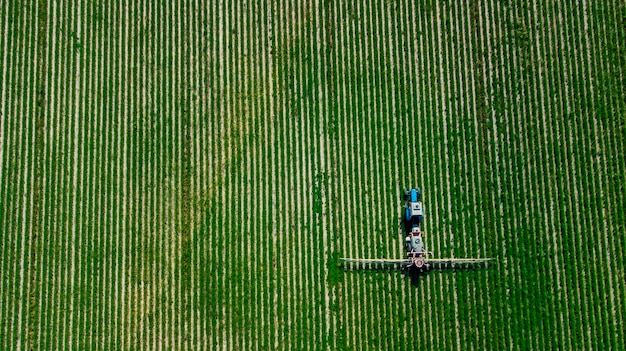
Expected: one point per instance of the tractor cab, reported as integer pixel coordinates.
(414, 243)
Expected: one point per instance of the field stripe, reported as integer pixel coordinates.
(3, 95)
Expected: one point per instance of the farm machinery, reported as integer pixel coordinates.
(417, 257)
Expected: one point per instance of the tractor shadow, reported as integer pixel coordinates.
(416, 275)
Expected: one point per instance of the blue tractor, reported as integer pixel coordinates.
(413, 211)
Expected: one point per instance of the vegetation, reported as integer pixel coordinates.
(186, 175)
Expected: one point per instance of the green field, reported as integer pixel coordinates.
(185, 175)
